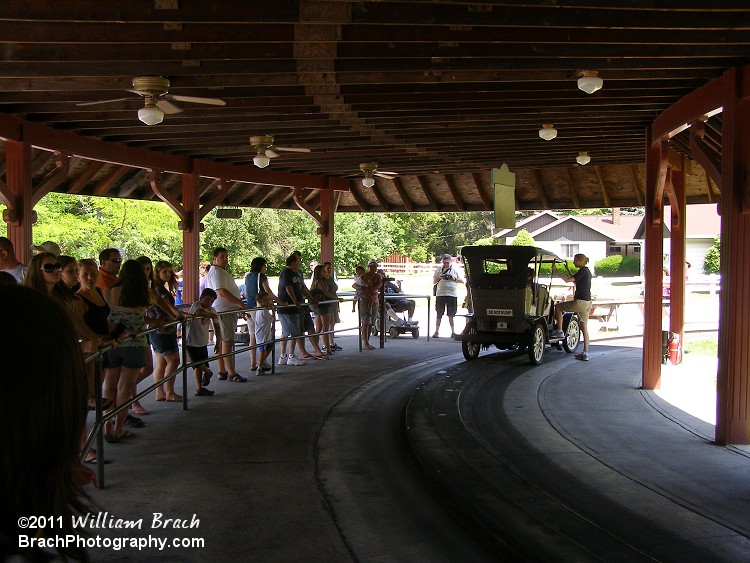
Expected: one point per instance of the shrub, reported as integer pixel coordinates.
(617, 265)
(712, 262)
(523, 238)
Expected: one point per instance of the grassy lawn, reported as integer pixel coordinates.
(702, 347)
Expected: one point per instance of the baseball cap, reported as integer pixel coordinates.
(447, 257)
(47, 246)
(373, 261)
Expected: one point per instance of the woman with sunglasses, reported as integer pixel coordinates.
(44, 275)
(164, 341)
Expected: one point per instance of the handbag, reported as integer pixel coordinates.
(434, 289)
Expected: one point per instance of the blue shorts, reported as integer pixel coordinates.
(164, 344)
(131, 357)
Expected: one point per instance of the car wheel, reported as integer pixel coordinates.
(393, 332)
(536, 345)
(572, 335)
(470, 349)
(415, 333)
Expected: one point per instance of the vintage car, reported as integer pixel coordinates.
(509, 303)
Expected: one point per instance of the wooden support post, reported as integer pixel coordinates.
(677, 254)
(327, 209)
(733, 377)
(20, 213)
(190, 237)
(654, 249)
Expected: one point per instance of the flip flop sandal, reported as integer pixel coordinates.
(174, 399)
(308, 357)
(223, 375)
(93, 461)
(237, 378)
(111, 438)
(126, 434)
(321, 357)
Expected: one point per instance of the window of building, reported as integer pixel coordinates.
(569, 250)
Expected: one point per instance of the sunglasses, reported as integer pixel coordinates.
(49, 268)
(115, 260)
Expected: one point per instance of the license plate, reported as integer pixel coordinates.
(501, 324)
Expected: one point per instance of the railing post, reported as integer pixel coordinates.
(98, 421)
(183, 326)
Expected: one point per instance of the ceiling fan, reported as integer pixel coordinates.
(154, 90)
(370, 169)
(266, 150)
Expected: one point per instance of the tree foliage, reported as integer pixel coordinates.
(523, 238)
(712, 261)
(84, 225)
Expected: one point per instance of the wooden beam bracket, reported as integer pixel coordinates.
(155, 179)
(220, 196)
(661, 180)
(54, 179)
(298, 197)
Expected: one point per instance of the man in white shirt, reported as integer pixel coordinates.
(8, 261)
(222, 282)
(446, 278)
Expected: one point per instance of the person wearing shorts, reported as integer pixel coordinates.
(446, 278)
(581, 303)
(196, 339)
(222, 282)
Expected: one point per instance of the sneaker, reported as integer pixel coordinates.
(583, 356)
(324, 349)
(435, 335)
(336, 347)
(283, 359)
(557, 333)
(260, 371)
(206, 378)
(295, 361)
(202, 392)
(266, 366)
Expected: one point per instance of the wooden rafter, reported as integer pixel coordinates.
(354, 190)
(380, 197)
(602, 186)
(460, 205)
(408, 204)
(486, 201)
(635, 182)
(540, 189)
(428, 194)
(572, 189)
(103, 185)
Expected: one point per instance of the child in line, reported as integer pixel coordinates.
(196, 339)
(357, 284)
(264, 331)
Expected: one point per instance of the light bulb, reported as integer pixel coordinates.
(150, 115)
(261, 160)
(548, 132)
(368, 181)
(590, 82)
(583, 158)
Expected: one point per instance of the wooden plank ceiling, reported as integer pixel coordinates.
(439, 92)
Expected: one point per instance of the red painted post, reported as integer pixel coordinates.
(190, 238)
(677, 255)
(326, 215)
(733, 377)
(654, 234)
(18, 180)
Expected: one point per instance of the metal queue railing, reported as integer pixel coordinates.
(101, 418)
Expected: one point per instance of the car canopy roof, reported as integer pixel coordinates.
(512, 263)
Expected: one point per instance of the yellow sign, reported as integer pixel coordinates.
(504, 183)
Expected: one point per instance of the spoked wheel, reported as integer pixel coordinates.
(572, 335)
(536, 345)
(470, 349)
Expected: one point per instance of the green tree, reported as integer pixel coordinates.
(712, 261)
(523, 238)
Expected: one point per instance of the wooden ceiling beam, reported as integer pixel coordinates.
(486, 200)
(602, 186)
(460, 204)
(640, 194)
(384, 205)
(408, 204)
(354, 190)
(571, 188)
(434, 205)
(92, 168)
(540, 188)
(103, 185)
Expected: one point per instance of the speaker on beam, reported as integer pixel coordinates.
(228, 213)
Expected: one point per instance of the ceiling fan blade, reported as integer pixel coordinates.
(386, 176)
(271, 154)
(104, 102)
(197, 100)
(379, 171)
(168, 107)
(290, 149)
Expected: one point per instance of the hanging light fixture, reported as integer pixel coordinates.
(548, 132)
(590, 81)
(368, 181)
(583, 158)
(150, 114)
(261, 160)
